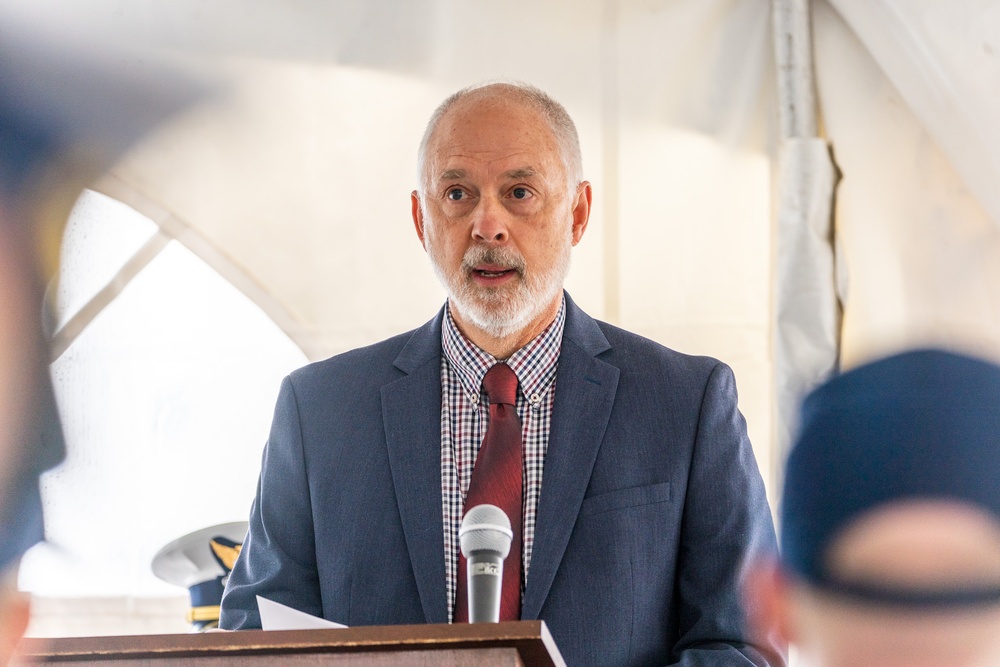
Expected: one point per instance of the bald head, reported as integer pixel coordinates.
(922, 545)
(519, 94)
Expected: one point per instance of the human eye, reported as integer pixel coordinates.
(521, 192)
(455, 194)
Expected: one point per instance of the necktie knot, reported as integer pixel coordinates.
(501, 384)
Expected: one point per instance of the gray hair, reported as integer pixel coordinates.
(560, 123)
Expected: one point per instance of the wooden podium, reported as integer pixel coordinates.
(520, 643)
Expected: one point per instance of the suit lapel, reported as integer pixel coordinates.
(411, 414)
(585, 393)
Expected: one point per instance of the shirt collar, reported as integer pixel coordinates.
(534, 364)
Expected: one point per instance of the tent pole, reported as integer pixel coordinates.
(806, 309)
(793, 57)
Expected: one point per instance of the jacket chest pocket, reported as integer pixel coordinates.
(635, 496)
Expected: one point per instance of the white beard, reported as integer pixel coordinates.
(508, 309)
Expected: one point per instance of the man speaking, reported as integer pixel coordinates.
(633, 493)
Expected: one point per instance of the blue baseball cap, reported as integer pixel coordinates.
(921, 425)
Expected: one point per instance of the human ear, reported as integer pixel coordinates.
(581, 210)
(767, 603)
(418, 217)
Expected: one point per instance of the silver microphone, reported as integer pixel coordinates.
(485, 536)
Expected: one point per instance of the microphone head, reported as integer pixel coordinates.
(485, 528)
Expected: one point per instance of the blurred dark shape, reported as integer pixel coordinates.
(891, 519)
(67, 111)
(921, 425)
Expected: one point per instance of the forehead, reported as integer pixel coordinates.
(493, 133)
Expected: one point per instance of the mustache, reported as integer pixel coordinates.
(506, 257)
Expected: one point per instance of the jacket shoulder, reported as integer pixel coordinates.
(632, 352)
(360, 367)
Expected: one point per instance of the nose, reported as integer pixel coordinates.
(489, 222)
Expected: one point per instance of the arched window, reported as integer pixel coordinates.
(166, 377)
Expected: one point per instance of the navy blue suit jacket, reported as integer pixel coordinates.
(651, 505)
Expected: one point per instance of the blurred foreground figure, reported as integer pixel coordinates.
(30, 437)
(891, 519)
(65, 115)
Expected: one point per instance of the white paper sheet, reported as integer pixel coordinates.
(276, 616)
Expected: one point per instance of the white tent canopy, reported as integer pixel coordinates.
(293, 183)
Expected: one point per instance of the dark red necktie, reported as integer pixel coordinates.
(496, 479)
